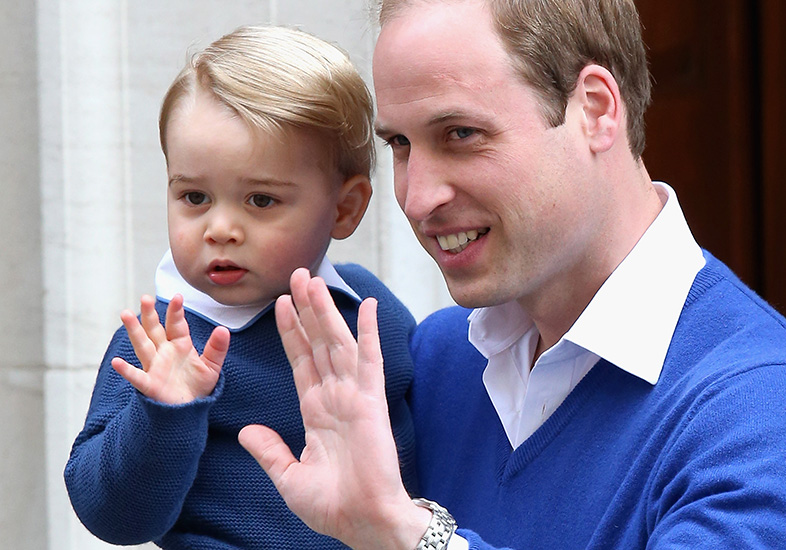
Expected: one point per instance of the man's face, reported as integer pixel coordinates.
(492, 192)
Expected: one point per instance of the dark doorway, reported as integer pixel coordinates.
(717, 127)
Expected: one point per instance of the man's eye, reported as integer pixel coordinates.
(195, 198)
(260, 201)
(399, 141)
(462, 133)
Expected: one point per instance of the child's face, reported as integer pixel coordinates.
(245, 208)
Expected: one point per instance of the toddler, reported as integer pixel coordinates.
(267, 135)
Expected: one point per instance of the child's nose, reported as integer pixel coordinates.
(223, 227)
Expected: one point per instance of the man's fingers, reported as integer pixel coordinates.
(370, 371)
(318, 330)
(299, 283)
(216, 348)
(296, 345)
(269, 450)
(329, 329)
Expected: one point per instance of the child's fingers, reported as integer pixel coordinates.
(144, 348)
(176, 324)
(216, 348)
(150, 321)
(135, 376)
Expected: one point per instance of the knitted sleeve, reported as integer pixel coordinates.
(134, 461)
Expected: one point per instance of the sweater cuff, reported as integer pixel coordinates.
(167, 420)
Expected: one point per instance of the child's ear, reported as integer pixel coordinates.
(601, 106)
(352, 203)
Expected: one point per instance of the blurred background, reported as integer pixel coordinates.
(81, 169)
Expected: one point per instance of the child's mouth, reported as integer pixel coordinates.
(225, 274)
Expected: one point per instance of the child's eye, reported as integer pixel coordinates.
(195, 198)
(260, 201)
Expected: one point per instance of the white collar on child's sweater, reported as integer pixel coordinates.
(169, 282)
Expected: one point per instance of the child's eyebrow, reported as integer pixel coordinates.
(177, 178)
(269, 182)
(266, 182)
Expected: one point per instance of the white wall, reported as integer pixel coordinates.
(22, 451)
(83, 185)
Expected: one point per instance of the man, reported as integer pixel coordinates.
(620, 388)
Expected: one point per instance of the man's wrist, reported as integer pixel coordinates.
(440, 528)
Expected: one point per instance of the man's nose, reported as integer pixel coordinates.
(422, 185)
(223, 226)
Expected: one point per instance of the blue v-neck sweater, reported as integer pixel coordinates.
(696, 461)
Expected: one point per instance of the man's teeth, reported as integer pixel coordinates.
(459, 241)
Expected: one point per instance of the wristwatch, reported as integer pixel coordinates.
(440, 528)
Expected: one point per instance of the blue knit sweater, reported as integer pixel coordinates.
(696, 461)
(142, 471)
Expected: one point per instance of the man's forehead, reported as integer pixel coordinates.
(434, 41)
(436, 35)
(426, 81)
(389, 9)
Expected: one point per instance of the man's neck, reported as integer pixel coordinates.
(558, 304)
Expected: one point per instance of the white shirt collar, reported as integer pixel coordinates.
(641, 301)
(632, 317)
(169, 282)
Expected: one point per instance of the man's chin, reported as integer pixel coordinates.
(472, 295)
(467, 297)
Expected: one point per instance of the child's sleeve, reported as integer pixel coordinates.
(134, 461)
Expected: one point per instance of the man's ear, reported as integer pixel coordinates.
(601, 105)
(352, 203)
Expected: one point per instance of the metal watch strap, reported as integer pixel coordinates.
(440, 528)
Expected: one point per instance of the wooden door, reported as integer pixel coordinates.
(716, 127)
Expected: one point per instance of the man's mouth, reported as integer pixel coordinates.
(457, 242)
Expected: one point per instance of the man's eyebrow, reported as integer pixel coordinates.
(440, 118)
(446, 116)
(381, 130)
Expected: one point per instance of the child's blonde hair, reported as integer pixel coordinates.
(275, 77)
